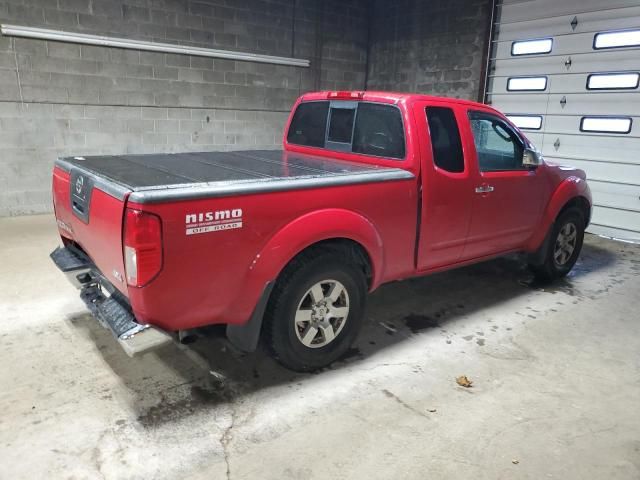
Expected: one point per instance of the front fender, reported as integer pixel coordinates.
(570, 188)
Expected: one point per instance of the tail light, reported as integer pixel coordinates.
(142, 247)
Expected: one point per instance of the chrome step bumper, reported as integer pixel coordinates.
(107, 304)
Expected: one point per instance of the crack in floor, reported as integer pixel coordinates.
(403, 403)
(225, 441)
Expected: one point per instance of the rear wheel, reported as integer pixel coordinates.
(562, 247)
(315, 311)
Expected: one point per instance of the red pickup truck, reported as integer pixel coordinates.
(283, 246)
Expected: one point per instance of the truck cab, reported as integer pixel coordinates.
(484, 188)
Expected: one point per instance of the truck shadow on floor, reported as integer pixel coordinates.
(180, 381)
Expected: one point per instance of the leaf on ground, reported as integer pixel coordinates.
(463, 381)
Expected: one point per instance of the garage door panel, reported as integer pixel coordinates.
(518, 10)
(595, 104)
(577, 83)
(614, 232)
(576, 105)
(596, 147)
(520, 103)
(602, 61)
(614, 217)
(587, 22)
(573, 88)
(616, 195)
(499, 85)
(569, 126)
(600, 170)
(562, 45)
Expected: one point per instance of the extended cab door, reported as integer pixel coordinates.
(446, 182)
(508, 198)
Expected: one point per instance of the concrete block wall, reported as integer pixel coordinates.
(66, 99)
(435, 47)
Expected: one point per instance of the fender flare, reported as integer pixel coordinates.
(570, 188)
(310, 229)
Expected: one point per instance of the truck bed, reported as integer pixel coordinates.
(155, 178)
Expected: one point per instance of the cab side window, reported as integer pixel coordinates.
(445, 139)
(497, 145)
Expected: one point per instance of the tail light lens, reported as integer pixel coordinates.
(142, 247)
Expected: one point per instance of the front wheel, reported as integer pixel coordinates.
(563, 246)
(315, 311)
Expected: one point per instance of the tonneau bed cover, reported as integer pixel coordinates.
(163, 177)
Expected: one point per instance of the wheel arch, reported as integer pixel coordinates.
(324, 229)
(353, 250)
(581, 203)
(572, 192)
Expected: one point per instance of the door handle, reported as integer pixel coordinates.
(484, 189)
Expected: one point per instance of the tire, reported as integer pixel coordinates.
(562, 247)
(296, 308)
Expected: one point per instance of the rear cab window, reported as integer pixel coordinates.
(309, 124)
(355, 127)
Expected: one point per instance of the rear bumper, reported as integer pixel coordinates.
(107, 304)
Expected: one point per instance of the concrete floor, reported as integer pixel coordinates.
(555, 371)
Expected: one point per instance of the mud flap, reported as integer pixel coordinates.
(245, 337)
(538, 257)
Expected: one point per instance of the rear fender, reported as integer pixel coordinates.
(313, 228)
(570, 188)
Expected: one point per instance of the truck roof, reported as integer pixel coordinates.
(380, 96)
(154, 178)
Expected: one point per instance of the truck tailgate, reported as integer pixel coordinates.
(88, 212)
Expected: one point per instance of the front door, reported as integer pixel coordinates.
(508, 198)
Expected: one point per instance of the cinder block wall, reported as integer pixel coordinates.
(436, 47)
(65, 99)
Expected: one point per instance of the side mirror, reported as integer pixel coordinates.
(531, 158)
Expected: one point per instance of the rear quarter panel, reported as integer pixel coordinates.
(212, 277)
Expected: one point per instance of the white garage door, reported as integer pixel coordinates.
(568, 73)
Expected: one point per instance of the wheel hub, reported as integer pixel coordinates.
(322, 313)
(320, 310)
